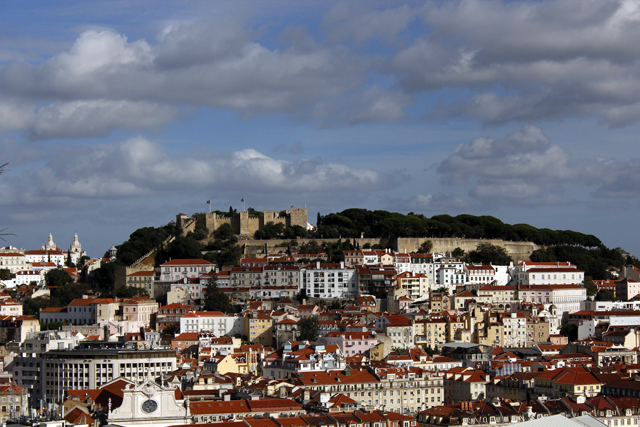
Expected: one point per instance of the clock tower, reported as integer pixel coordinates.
(149, 404)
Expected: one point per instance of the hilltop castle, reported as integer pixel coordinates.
(244, 225)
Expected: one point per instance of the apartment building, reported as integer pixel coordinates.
(329, 280)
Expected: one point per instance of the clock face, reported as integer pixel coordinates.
(149, 406)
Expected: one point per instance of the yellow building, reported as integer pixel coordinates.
(258, 327)
(567, 382)
(430, 332)
(236, 363)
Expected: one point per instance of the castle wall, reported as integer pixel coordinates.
(246, 225)
(519, 251)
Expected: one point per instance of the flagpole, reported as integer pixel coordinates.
(243, 208)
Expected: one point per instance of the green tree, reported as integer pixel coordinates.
(542, 255)
(170, 330)
(32, 306)
(105, 276)
(63, 295)
(224, 232)
(605, 295)
(309, 329)
(81, 261)
(57, 277)
(570, 330)
(142, 241)
(68, 261)
(182, 247)
(5, 274)
(486, 253)
(53, 325)
(458, 253)
(426, 247)
(131, 291)
(215, 300)
(592, 288)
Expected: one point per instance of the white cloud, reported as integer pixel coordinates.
(523, 155)
(140, 168)
(206, 64)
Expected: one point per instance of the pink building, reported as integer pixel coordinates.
(351, 343)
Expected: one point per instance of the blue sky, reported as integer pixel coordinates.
(120, 114)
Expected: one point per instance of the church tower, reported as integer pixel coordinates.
(75, 245)
(50, 246)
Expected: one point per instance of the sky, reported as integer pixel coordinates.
(116, 115)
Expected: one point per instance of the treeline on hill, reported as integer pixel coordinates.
(585, 251)
(383, 224)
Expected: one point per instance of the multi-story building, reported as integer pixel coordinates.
(9, 307)
(566, 298)
(170, 315)
(94, 364)
(409, 390)
(13, 261)
(351, 343)
(26, 277)
(479, 274)
(399, 328)
(141, 280)
(627, 289)
(450, 277)
(546, 273)
(501, 297)
(139, 309)
(301, 356)
(567, 382)
(414, 285)
(14, 402)
(27, 367)
(430, 332)
(329, 280)
(258, 328)
(215, 322)
(179, 269)
(361, 385)
(464, 384)
(402, 262)
(515, 329)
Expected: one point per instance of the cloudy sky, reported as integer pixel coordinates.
(116, 115)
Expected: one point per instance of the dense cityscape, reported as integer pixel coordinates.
(319, 213)
(371, 335)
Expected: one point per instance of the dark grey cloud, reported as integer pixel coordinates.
(526, 61)
(525, 168)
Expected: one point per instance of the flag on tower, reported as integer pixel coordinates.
(208, 202)
(242, 200)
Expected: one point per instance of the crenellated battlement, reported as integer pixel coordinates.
(246, 225)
